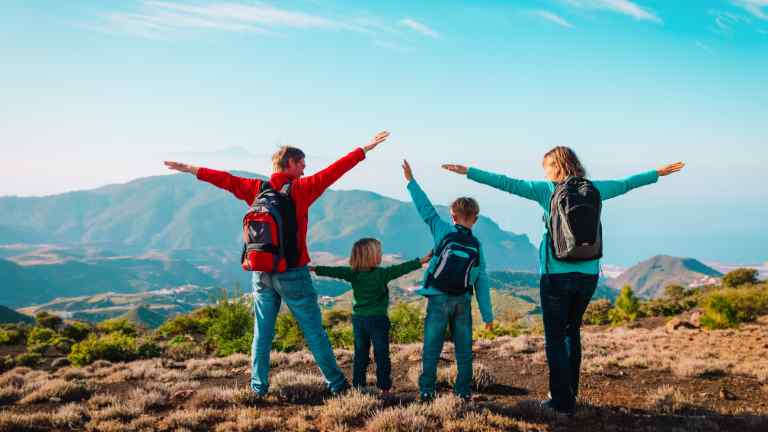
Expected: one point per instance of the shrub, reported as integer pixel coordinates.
(48, 320)
(40, 336)
(112, 347)
(191, 324)
(118, 325)
(299, 387)
(407, 324)
(149, 349)
(29, 359)
(598, 312)
(12, 336)
(62, 343)
(341, 336)
(231, 330)
(667, 307)
(498, 330)
(184, 347)
(351, 409)
(729, 307)
(674, 292)
(65, 391)
(76, 331)
(669, 400)
(627, 306)
(288, 335)
(739, 277)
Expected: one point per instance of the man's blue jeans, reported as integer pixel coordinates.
(295, 287)
(371, 330)
(445, 311)
(564, 299)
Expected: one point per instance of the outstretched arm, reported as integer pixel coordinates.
(533, 190)
(426, 210)
(395, 271)
(344, 273)
(317, 183)
(613, 188)
(243, 188)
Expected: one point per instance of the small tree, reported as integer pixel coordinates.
(48, 320)
(739, 277)
(407, 324)
(627, 306)
(674, 292)
(598, 312)
(288, 336)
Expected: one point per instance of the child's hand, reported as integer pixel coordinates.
(407, 171)
(489, 326)
(458, 169)
(425, 259)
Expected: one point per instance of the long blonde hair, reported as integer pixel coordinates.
(566, 163)
(366, 254)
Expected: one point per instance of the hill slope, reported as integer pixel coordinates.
(649, 277)
(144, 316)
(10, 316)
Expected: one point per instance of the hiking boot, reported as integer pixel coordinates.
(426, 397)
(341, 391)
(548, 405)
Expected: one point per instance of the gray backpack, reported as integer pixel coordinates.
(575, 231)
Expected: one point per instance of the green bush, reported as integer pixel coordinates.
(113, 347)
(288, 336)
(40, 336)
(674, 292)
(407, 324)
(6, 363)
(627, 306)
(183, 347)
(598, 312)
(29, 359)
(149, 349)
(191, 324)
(739, 277)
(729, 307)
(118, 325)
(498, 329)
(341, 336)
(231, 329)
(12, 336)
(48, 320)
(62, 343)
(76, 331)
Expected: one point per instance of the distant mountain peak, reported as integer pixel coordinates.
(648, 278)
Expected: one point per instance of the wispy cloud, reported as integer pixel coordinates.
(725, 21)
(756, 8)
(552, 17)
(703, 46)
(624, 7)
(419, 27)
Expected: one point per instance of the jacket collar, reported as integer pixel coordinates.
(278, 179)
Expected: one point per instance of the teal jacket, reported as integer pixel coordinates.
(440, 229)
(541, 192)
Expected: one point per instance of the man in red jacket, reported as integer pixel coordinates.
(293, 286)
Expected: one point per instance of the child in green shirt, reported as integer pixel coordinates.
(370, 322)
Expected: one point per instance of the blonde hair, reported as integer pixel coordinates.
(566, 163)
(466, 207)
(366, 254)
(283, 155)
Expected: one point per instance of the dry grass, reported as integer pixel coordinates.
(482, 377)
(296, 387)
(693, 368)
(9, 395)
(399, 419)
(409, 352)
(223, 397)
(517, 345)
(67, 417)
(669, 400)
(250, 420)
(57, 390)
(349, 410)
(192, 419)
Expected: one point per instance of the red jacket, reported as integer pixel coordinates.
(304, 190)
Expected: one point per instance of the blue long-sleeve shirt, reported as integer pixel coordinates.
(440, 228)
(541, 192)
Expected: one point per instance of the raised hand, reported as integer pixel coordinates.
(182, 167)
(670, 169)
(407, 171)
(458, 169)
(425, 259)
(378, 139)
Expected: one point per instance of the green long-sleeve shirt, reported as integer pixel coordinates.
(369, 288)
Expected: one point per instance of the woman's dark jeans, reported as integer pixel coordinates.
(371, 330)
(564, 299)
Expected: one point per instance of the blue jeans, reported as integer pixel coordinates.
(295, 287)
(564, 299)
(371, 330)
(447, 311)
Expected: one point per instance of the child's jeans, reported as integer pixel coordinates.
(444, 311)
(371, 330)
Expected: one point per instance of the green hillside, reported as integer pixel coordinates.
(144, 316)
(10, 316)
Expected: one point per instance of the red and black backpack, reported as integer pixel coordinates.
(270, 231)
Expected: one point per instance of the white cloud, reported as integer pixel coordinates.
(419, 27)
(624, 7)
(703, 46)
(552, 17)
(755, 7)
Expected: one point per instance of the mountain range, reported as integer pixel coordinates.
(648, 278)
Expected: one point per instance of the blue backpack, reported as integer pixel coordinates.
(457, 254)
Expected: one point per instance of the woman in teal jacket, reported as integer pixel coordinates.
(566, 287)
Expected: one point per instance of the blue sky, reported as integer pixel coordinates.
(101, 92)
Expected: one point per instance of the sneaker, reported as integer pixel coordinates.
(341, 391)
(548, 405)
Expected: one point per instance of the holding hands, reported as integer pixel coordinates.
(670, 169)
(425, 259)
